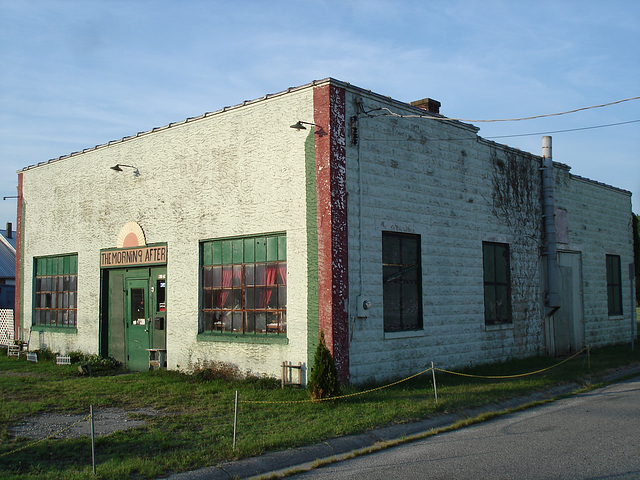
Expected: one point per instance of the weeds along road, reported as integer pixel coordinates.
(594, 435)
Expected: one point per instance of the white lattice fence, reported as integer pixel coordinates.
(6, 326)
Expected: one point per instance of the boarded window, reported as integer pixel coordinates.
(244, 285)
(56, 290)
(614, 285)
(497, 283)
(402, 282)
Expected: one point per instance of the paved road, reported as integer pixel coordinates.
(595, 435)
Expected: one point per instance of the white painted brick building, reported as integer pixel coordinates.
(233, 237)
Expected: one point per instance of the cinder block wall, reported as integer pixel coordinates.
(438, 180)
(434, 179)
(599, 221)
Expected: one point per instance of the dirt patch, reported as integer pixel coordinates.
(60, 425)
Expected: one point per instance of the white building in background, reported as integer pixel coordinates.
(238, 235)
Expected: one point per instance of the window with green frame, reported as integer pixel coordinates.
(56, 291)
(244, 285)
(497, 283)
(614, 285)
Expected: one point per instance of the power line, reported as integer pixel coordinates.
(563, 131)
(429, 117)
(509, 136)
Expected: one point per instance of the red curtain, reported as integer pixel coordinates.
(227, 281)
(265, 294)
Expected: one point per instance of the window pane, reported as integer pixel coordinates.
(249, 250)
(391, 249)
(237, 299)
(207, 277)
(222, 298)
(261, 274)
(227, 255)
(272, 249)
(225, 322)
(216, 253)
(207, 298)
(261, 322)
(273, 325)
(272, 297)
(237, 321)
(410, 250)
(282, 248)
(261, 249)
(207, 321)
(138, 307)
(489, 263)
(614, 285)
(250, 302)
(216, 276)
(497, 283)
(237, 275)
(207, 258)
(238, 257)
(249, 275)
(502, 265)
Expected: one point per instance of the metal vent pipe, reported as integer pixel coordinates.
(548, 214)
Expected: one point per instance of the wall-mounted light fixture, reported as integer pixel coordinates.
(118, 168)
(300, 125)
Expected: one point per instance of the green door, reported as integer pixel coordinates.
(138, 323)
(136, 315)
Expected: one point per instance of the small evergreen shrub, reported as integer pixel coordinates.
(323, 381)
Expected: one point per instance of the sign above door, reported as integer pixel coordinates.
(132, 249)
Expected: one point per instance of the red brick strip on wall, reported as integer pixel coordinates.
(331, 194)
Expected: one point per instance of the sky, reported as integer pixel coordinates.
(75, 74)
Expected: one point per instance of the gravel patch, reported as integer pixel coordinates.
(61, 425)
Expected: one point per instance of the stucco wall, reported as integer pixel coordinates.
(240, 172)
(437, 180)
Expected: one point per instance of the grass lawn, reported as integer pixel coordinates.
(197, 428)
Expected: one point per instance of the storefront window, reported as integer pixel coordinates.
(56, 290)
(244, 285)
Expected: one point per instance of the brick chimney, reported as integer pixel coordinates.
(428, 104)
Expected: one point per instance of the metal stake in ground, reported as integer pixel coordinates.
(235, 421)
(435, 388)
(93, 441)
